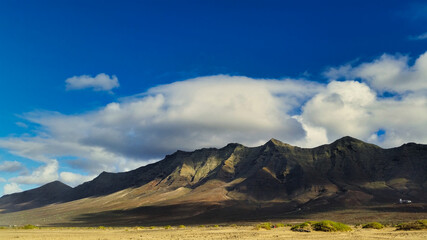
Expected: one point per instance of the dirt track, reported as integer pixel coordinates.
(211, 233)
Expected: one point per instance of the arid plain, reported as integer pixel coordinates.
(213, 233)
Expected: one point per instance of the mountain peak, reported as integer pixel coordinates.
(52, 192)
(56, 183)
(347, 139)
(233, 145)
(52, 187)
(274, 141)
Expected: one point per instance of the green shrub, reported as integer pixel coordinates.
(181, 226)
(101, 227)
(416, 225)
(265, 225)
(374, 225)
(152, 227)
(233, 225)
(29, 226)
(278, 225)
(168, 227)
(201, 226)
(330, 226)
(324, 226)
(302, 227)
(216, 225)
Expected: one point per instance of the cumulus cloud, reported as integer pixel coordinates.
(11, 166)
(11, 188)
(357, 108)
(403, 119)
(101, 82)
(201, 112)
(43, 174)
(352, 108)
(342, 109)
(387, 73)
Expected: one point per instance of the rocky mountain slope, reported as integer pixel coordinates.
(258, 180)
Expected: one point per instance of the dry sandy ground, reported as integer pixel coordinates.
(244, 232)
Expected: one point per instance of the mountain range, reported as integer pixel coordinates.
(234, 183)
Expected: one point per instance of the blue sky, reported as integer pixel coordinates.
(88, 86)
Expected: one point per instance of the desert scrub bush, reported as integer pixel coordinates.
(330, 226)
(265, 225)
(279, 225)
(181, 226)
(374, 225)
(416, 225)
(168, 227)
(152, 227)
(29, 226)
(101, 227)
(202, 226)
(324, 226)
(302, 227)
(216, 225)
(233, 225)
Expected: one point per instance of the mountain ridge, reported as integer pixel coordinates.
(348, 172)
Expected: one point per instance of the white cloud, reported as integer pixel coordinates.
(388, 73)
(43, 174)
(2, 180)
(101, 82)
(202, 112)
(74, 179)
(11, 166)
(419, 37)
(11, 188)
(357, 108)
(315, 135)
(403, 119)
(342, 109)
